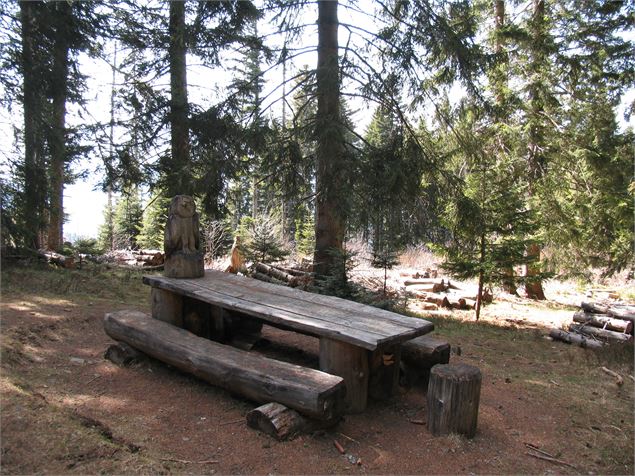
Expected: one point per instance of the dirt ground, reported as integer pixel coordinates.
(65, 409)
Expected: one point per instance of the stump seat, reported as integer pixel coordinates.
(453, 399)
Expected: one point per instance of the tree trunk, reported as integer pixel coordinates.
(57, 143)
(180, 181)
(330, 214)
(536, 147)
(479, 294)
(533, 285)
(34, 173)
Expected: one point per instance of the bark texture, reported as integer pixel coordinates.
(330, 212)
(179, 123)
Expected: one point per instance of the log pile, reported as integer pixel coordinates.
(136, 258)
(599, 323)
(57, 259)
(286, 276)
(442, 293)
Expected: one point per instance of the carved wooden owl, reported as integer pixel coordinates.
(181, 229)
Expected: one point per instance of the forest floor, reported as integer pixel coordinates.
(65, 409)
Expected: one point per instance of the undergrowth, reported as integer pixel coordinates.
(92, 280)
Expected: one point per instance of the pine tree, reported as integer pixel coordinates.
(155, 217)
(106, 234)
(128, 219)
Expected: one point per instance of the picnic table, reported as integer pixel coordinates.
(360, 343)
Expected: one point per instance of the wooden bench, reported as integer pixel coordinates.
(311, 392)
(359, 343)
(419, 355)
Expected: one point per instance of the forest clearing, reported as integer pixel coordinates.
(402, 227)
(66, 409)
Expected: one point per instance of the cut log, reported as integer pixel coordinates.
(603, 321)
(419, 355)
(310, 392)
(296, 272)
(600, 333)
(619, 311)
(283, 423)
(122, 354)
(426, 285)
(453, 399)
(276, 273)
(57, 259)
(595, 307)
(426, 288)
(571, 338)
(626, 313)
(268, 279)
(425, 351)
(436, 298)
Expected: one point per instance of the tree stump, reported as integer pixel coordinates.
(453, 399)
(183, 258)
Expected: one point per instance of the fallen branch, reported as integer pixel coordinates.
(618, 378)
(536, 448)
(232, 422)
(552, 460)
(417, 422)
(339, 447)
(187, 461)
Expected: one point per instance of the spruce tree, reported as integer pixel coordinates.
(128, 219)
(155, 217)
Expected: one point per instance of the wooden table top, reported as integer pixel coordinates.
(315, 314)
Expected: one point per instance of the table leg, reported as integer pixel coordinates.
(351, 363)
(384, 372)
(167, 306)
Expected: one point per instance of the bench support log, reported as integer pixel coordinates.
(122, 354)
(350, 363)
(453, 398)
(310, 392)
(283, 423)
(419, 355)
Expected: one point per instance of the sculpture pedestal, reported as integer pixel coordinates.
(182, 264)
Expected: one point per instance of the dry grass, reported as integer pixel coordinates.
(419, 257)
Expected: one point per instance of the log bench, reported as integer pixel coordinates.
(359, 343)
(311, 392)
(419, 355)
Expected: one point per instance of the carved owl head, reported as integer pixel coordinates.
(183, 206)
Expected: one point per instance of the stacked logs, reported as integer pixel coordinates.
(136, 258)
(599, 323)
(442, 293)
(281, 275)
